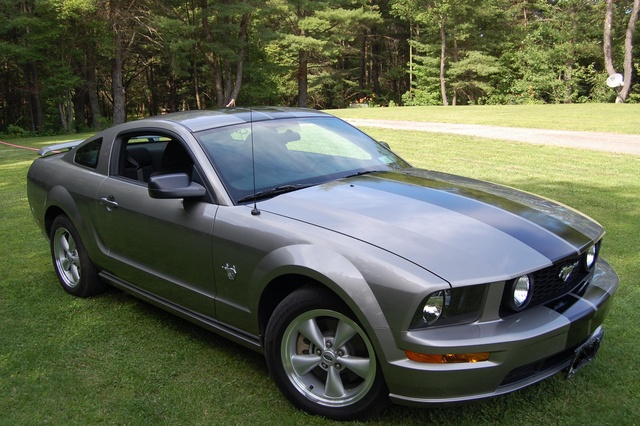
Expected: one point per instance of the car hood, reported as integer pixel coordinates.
(463, 230)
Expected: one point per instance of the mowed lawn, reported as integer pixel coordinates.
(115, 360)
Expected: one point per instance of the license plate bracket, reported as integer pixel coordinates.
(585, 353)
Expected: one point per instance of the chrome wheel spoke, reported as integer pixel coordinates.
(74, 259)
(344, 333)
(64, 242)
(333, 386)
(360, 366)
(71, 244)
(310, 330)
(65, 264)
(303, 364)
(74, 270)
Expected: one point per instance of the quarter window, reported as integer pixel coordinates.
(89, 153)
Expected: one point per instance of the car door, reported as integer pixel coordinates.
(162, 246)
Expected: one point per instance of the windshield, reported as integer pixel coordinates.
(292, 153)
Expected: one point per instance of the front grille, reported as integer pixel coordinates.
(563, 277)
(548, 284)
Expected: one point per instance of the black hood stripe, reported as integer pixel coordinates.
(516, 220)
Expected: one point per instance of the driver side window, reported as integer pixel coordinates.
(145, 155)
(142, 156)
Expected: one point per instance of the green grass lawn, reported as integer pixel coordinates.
(116, 360)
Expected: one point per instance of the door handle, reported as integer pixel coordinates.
(109, 202)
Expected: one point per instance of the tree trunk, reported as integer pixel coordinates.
(79, 102)
(217, 75)
(227, 81)
(628, 48)
(196, 87)
(303, 64)
(363, 62)
(35, 103)
(443, 52)
(375, 62)
(628, 51)
(608, 50)
(238, 80)
(63, 117)
(92, 93)
(152, 98)
(119, 114)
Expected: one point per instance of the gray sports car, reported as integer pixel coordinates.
(360, 278)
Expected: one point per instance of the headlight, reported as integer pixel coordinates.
(451, 306)
(590, 256)
(433, 306)
(521, 292)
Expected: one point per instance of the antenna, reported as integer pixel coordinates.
(255, 211)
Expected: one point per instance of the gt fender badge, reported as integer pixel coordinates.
(231, 271)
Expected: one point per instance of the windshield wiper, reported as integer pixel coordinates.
(273, 192)
(360, 173)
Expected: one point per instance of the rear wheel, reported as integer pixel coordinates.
(321, 358)
(77, 274)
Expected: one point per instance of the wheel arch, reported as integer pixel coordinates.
(293, 267)
(50, 215)
(59, 201)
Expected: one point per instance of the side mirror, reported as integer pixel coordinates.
(174, 185)
(384, 144)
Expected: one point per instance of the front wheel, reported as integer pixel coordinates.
(77, 274)
(321, 358)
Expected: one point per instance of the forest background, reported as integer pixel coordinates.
(79, 65)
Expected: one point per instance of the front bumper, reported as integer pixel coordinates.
(525, 348)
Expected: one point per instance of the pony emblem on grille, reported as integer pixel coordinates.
(565, 273)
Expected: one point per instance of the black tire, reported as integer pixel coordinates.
(342, 382)
(75, 270)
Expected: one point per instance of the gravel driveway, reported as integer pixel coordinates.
(610, 142)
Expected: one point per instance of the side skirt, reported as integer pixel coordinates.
(245, 339)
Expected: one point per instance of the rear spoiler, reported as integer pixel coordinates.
(58, 147)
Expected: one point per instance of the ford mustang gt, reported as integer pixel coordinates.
(361, 279)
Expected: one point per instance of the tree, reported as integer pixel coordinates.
(458, 33)
(557, 49)
(428, 14)
(77, 89)
(130, 23)
(66, 65)
(21, 31)
(631, 12)
(221, 51)
(316, 32)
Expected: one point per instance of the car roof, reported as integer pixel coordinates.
(199, 120)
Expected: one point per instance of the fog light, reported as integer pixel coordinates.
(521, 292)
(447, 358)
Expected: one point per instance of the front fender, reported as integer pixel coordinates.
(338, 274)
(327, 267)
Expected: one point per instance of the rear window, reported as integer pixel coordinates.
(88, 154)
